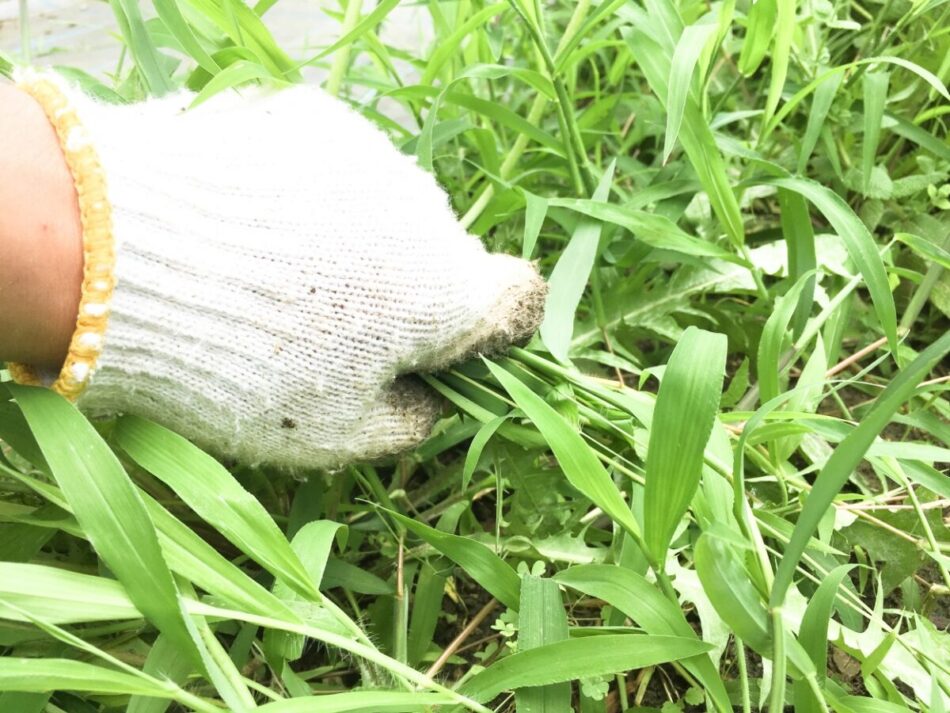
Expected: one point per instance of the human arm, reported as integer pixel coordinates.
(40, 236)
(264, 273)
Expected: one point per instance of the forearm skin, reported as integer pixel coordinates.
(40, 237)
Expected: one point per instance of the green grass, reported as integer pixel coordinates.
(716, 480)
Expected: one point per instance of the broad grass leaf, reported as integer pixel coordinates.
(186, 553)
(918, 135)
(107, 506)
(695, 135)
(478, 444)
(730, 589)
(170, 14)
(366, 23)
(929, 477)
(25, 702)
(506, 117)
(426, 610)
(213, 493)
(640, 600)
(688, 49)
(578, 658)
(246, 30)
(377, 701)
(806, 397)
(760, 27)
(859, 242)
(820, 106)
(839, 467)
(340, 573)
(482, 565)
(800, 248)
(800, 95)
(570, 275)
(542, 621)
(21, 541)
(425, 139)
(142, 47)
(861, 704)
(575, 457)
(52, 674)
(654, 229)
(686, 408)
(341, 641)
(774, 334)
(813, 634)
(875, 86)
(15, 432)
(536, 209)
(60, 596)
(190, 556)
(447, 46)
(784, 31)
(163, 663)
(312, 544)
(926, 249)
(235, 75)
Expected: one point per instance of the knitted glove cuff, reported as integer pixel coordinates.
(98, 243)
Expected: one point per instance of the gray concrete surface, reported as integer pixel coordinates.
(82, 33)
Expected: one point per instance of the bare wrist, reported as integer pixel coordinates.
(40, 237)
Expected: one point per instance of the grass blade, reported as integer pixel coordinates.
(773, 338)
(847, 455)
(695, 136)
(147, 58)
(361, 702)
(578, 462)
(107, 506)
(312, 544)
(688, 49)
(820, 106)
(213, 493)
(875, 97)
(61, 597)
(759, 30)
(640, 600)
(483, 565)
(857, 239)
(784, 31)
(800, 248)
(541, 621)
(570, 275)
(730, 589)
(49, 674)
(536, 209)
(578, 658)
(657, 231)
(686, 409)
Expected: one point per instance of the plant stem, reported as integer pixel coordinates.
(534, 116)
(777, 694)
(24, 12)
(921, 295)
(743, 676)
(342, 57)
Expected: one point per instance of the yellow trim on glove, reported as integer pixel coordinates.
(98, 244)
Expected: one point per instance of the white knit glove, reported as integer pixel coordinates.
(278, 266)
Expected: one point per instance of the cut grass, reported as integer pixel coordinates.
(599, 526)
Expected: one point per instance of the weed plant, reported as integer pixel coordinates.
(715, 481)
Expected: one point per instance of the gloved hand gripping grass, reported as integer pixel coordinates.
(262, 270)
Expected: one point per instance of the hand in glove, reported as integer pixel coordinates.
(261, 272)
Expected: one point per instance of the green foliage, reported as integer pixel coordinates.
(750, 190)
